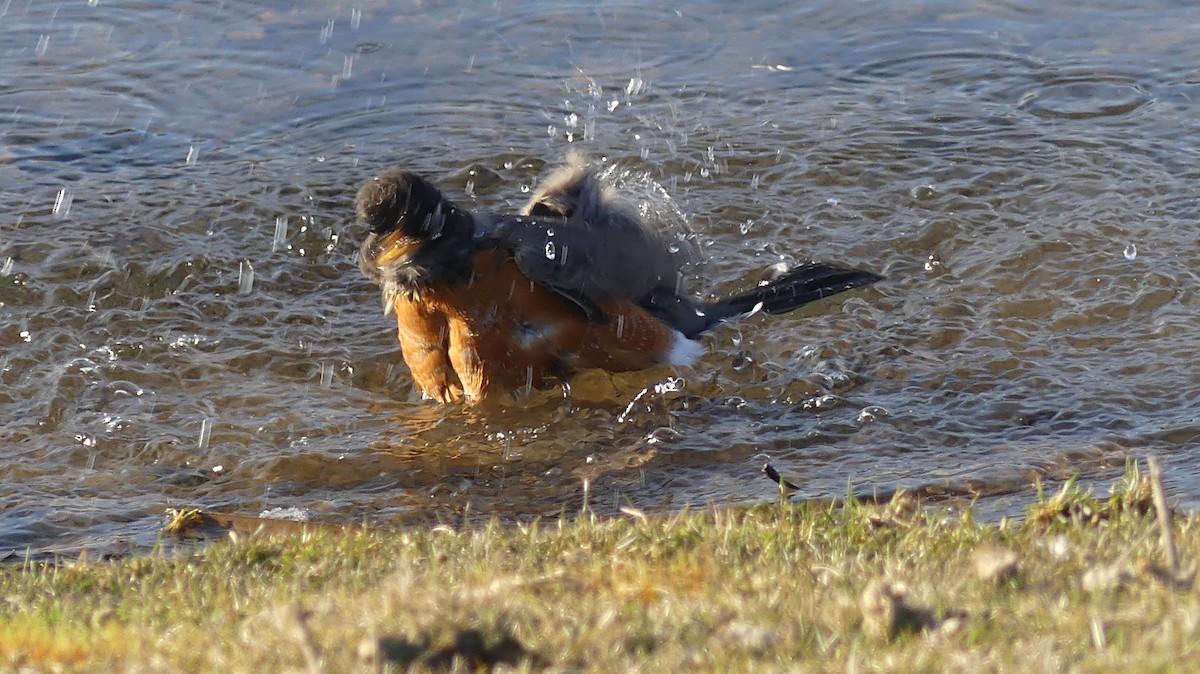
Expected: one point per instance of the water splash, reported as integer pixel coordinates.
(923, 192)
(205, 433)
(62, 203)
(245, 278)
(872, 413)
(1131, 252)
(669, 385)
(281, 230)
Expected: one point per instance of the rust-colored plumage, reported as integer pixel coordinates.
(495, 304)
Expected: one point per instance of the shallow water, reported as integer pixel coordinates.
(182, 322)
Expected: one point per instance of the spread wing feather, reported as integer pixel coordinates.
(575, 238)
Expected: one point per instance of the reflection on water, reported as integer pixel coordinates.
(182, 321)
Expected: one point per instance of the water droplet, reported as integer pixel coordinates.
(612, 105)
(1059, 547)
(326, 375)
(281, 228)
(872, 413)
(745, 226)
(24, 335)
(571, 120)
(245, 278)
(550, 252)
(821, 402)
(62, 203)
(205, 433)
(1131, 252)
(933, 262)
(635, 86)
(671, 385)
(923, 192)
(7, 267)
(327, 31)
(673, 248)
(742, 360)
(191, 156)
(355, 18)
(42, 43)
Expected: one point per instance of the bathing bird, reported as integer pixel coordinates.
(491, 304)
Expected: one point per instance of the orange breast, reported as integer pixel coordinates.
(501, 332)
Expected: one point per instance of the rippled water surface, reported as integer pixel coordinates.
(182, 322)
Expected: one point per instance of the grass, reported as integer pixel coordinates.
(1079, 585)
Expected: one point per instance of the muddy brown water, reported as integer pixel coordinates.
(182, 322)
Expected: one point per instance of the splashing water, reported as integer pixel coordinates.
(62, 203)
(669, 385)
(245, 278)
(205, 434)
(281, 230)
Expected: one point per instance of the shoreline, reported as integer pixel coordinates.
(1084, 582)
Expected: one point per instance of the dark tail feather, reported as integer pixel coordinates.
(790, 291)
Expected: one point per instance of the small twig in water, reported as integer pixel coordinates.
(770, 472)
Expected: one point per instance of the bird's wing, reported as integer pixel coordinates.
(577, 237)
(557, 254)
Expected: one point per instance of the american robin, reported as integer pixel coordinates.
(490, 304)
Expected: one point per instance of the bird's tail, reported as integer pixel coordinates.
(789, 291)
